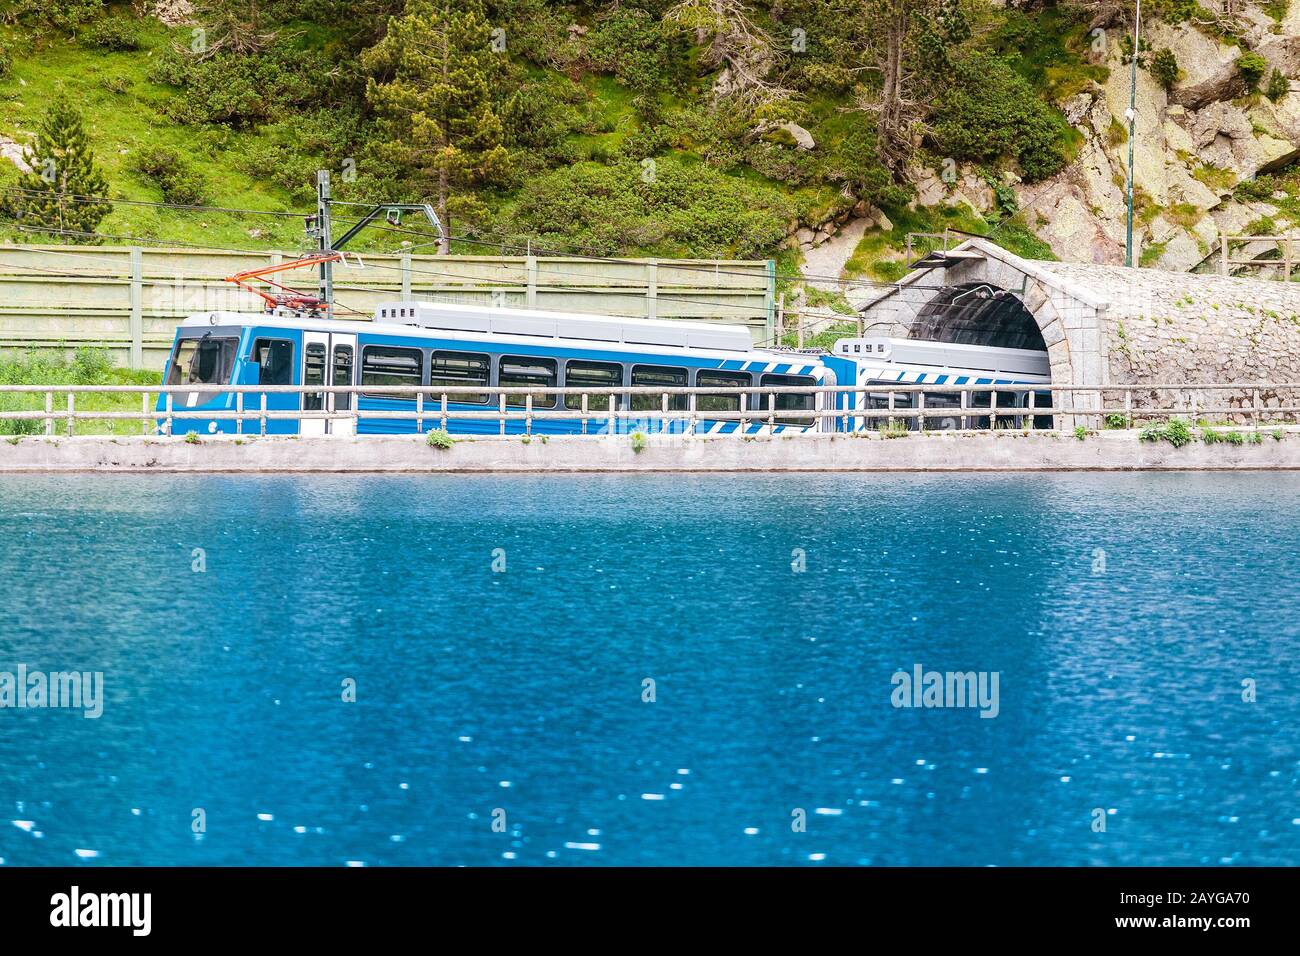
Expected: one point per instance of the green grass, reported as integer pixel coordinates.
(86, 367)
(823, 339)
(120, 122)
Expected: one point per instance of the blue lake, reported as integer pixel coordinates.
(1121, 613)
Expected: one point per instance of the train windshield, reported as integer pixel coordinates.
(205, 361)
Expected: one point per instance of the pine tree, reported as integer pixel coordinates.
(65, 190)
(436, 70)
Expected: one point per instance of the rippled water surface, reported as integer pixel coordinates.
(1122, 614)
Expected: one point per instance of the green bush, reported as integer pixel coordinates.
(243, 91)
(637, 48)
(114, 34)
(1252, 67)
(1177, 431)
(1278, 86)
(662, 207)
(1164, 68)
(991, 112)
(60, 14)
(180, 182)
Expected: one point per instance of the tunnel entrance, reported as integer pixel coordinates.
(976, 313)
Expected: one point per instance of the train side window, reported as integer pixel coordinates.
(342, 376)
(661, 377)
(601, 375)
(520, 371)
(461, 369)
(275, 356)
(716, 378)
(791, 402)
(313, 373)
(385, 365)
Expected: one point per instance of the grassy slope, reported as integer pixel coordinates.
(121, 122)
(133, 116)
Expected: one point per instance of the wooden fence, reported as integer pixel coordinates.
(128, 299)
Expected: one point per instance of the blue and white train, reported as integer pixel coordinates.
(433, 345)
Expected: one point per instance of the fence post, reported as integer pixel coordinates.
(72, 412)
(144, 411)
(443, 409)
(584, 412)
(406, 276)
(49, 413)
(419, 412)
(652, 289)
(262, 424)
(530, 272)
(136, 359)
(613, 420)
(168, 424)
(528, 414)
(502, 409)
(239, 408)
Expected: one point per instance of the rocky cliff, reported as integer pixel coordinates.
(1195, 144)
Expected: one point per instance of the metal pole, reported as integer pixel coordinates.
(1131, 114)
(324, 241)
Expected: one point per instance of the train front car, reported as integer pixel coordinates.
(214, 350)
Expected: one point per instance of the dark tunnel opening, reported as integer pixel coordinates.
(976, 313)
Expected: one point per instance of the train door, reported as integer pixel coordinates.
(328, 358)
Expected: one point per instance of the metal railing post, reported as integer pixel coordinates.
(419, 412)
(528, 414)
(584, 412)
(72, 412)
(613, 415)
(167, 426)
(144, 412)
(442, 418)
(744, 410)
(49, 413)
(239, 408)
(262, 422)
(501, 412)
(771, 412)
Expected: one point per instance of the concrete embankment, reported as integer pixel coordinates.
(998, 451)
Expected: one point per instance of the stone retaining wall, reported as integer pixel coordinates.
(988, 451)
